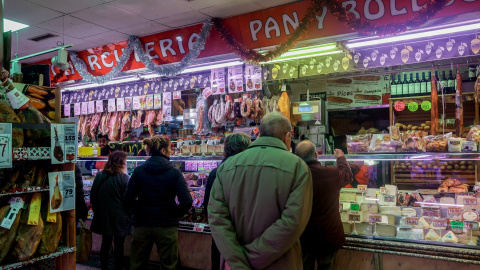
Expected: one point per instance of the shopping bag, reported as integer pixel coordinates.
(84, 242)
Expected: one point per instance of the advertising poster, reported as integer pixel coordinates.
(64, 142)
(253, 78)
(167, 106)
(62, 191)
(235, 79)
(157, 101)
(218, 81)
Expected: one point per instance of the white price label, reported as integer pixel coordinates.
(177, 95)
(198, 227)
(5, 145)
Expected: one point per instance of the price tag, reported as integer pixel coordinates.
(91, 107)
(198, 227)
(454, 211)
(362, 188)
(84, 108)
(16, 203)
(470, 216)
(383, 190)
(354, 217)
(207, 92)
(399, 106)
(120, 104)
(177, 95)
(62, 191)
(439, 223)
(34, 211)
(456, 224)
(471, 225)
(470, 201)
(99, 105)
(6, 145)
(200, 166)
(76, 109)
(412, 220)
(389, 198)
(412, 106)
(375, 218)
(426, 105)
(111, 105)
(355, 207)
(66, 110)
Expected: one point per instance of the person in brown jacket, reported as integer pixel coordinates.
(324, 233)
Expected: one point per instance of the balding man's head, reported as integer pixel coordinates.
(275, 125)
(307, 151)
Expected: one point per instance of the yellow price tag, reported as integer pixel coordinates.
(51, 217)
(34, 213)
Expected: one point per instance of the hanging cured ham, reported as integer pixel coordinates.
(94, 126)
(284, 105)
(150, 121)
(126, 126)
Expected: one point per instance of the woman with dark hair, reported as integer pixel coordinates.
(110, 218)
(234, 144)
(151, 197)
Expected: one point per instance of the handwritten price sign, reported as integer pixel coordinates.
(426, 105)
(412, 106)
(399, 106)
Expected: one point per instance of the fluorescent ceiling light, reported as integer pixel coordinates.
(281, 59)
(424, 34)
(92, 85)
(313, 49)
(9, 25)
(220, 65)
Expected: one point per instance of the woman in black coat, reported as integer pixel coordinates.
(110, 218)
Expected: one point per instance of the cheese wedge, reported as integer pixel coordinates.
(450, 237)
(348, 197)
(369, 207)
(409, 212)
(432, 235)
(386, 230)
(422, 224)
(347, 227)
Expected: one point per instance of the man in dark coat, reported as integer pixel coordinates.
(324, 233)
(81, 211)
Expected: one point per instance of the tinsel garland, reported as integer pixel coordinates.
(172, 70)
(135, 44)
(254, 56)
(364, 27)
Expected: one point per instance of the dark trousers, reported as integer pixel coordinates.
(310, 255)
(118, 251)
(215, 256)
(166, 240)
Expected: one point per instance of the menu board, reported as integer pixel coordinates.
(235, 79)
(253, 78)
(360, 91)
(218, 81)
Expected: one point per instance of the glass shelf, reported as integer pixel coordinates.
(172, 158)
(405, 156)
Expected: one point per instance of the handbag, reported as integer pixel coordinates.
(84, 242)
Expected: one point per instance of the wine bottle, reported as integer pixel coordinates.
(411, 86)
(399, 86)
(417, 85)
(393, 87)
(444, 83)
(429, 83)
(423, 85)
(451, 82)
(471, 73)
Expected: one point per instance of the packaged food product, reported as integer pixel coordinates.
(474, 134)
(394, 133)
(469, 146)
(437, 143)
(382, 143)
(455, 145)
(413, 144)
(358, 143)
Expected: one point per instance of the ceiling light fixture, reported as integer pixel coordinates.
(312, 49)
(282, 59)
(9, 25)
(423, 34)
(92, 85)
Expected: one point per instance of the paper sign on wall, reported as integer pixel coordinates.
(177, 95)
(84, 108)
(76, 109)
(218, 81)
(149, 102)
(91, 107)
(167, 106)
(5, 145)
(111, 105)
(143, 102)
(99, 106)
(235, 79)
(120, 104)
(128, 103)
(253, 77)
(136, 103)
(62, 191)
(64, 142)
(66, 110)
(157, 101)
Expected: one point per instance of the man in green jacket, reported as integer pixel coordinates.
(261, 202)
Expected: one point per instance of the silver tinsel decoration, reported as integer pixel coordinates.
(135, 44)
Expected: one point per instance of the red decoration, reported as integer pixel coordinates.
(57, 77)
(254, 56)
(366, 28)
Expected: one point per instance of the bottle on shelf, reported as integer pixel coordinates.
(428, 82)
(405, 86)
(451, 82)
(411, 86)
(393, 87)
(417, 85)
(444, 83)
(423, 85)
(472, 69)
(399, 86)
(437, 79)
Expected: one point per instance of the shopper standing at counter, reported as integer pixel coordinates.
(151, 197)
(261, 201)
(234, 144)
(324, 233)
(110, 219)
